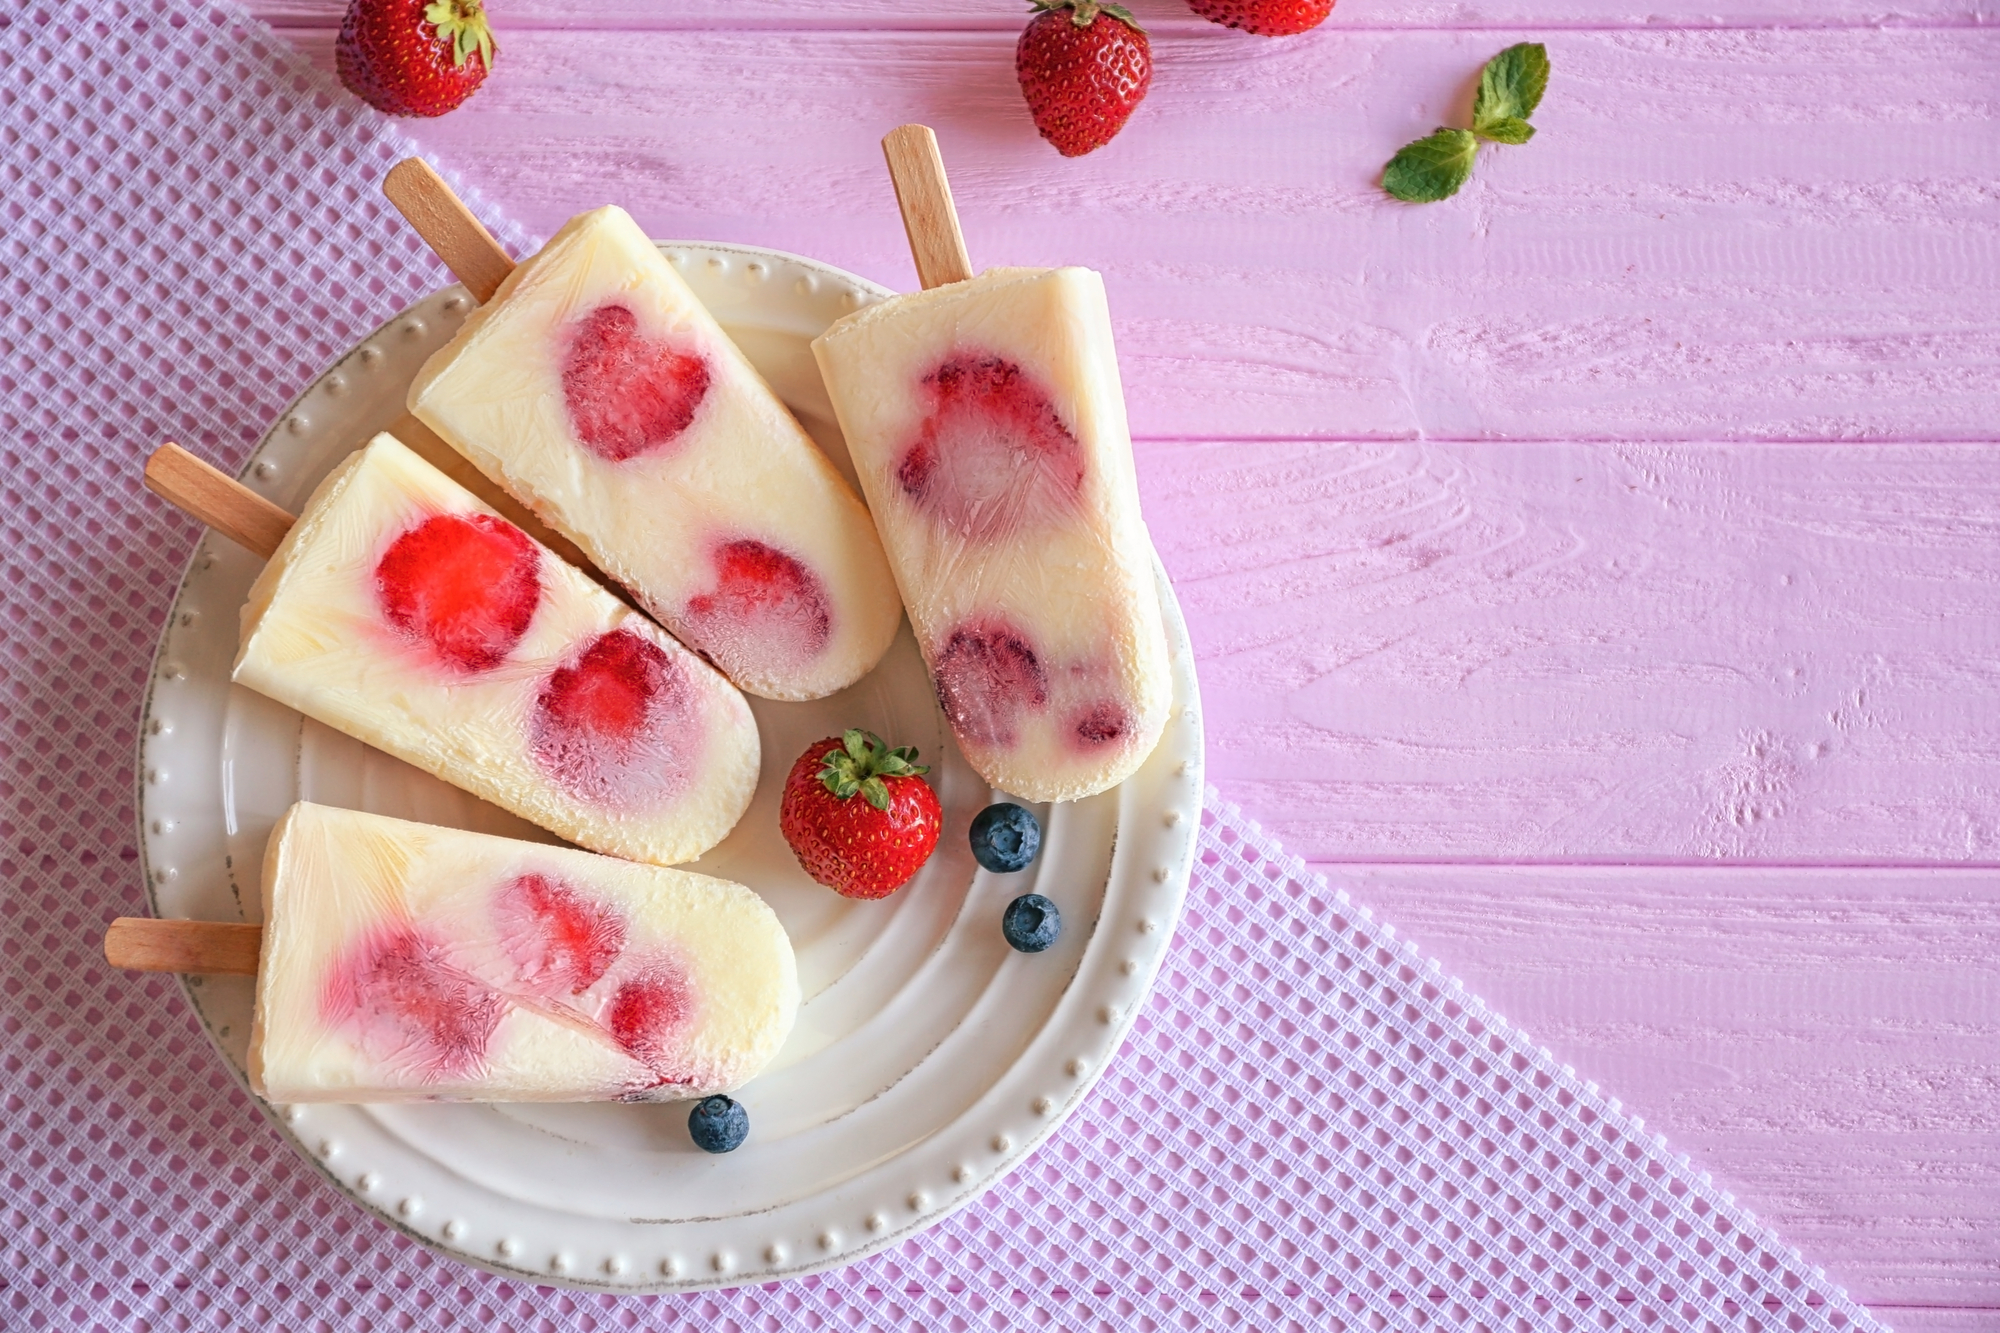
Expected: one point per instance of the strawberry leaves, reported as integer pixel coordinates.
(1510, 88)
(463, 24)
(1084, 12)
(861, 763)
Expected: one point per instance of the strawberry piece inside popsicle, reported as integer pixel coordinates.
(648, 1015)
(618, 726)
(463, 585)
(561, 941)
(987, 677)
(627, 394)
(410, 1009)
(992, 455)
(764, 604)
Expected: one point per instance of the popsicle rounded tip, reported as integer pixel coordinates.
(718, 1124)
(1032, 923)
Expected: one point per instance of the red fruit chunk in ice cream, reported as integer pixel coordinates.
(648, 1015)
(764, 605)
(627, 394)
(410, 1008)
(619, 725)
(560, 941)
(1100, 724)
(463, 585)
(992, 455)
(987, 677)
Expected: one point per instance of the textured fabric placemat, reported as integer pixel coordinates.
(1311, 1127)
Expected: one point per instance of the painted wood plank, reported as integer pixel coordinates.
(1172, 16)
(1593, 652)
(1736, 235)
(1938, 1319)
(1826, 1043)
(1728, 235)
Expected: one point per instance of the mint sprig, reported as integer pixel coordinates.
(860, 764)
(1432, 168)
(1510, 88)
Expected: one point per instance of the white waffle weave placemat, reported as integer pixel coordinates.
(1310, 1128)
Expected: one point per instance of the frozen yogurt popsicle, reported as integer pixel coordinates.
(401, 611)
(403, 962)
(987, 425)
(599, 392)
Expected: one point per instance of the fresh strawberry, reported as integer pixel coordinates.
(1266, 18)
(414, 57)
(1084, 66)
(865, 848)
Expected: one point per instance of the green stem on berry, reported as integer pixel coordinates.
(1083, 13)
(860, 764)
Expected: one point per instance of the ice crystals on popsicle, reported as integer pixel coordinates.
(403, 962)
(401, 611)
(598, 391)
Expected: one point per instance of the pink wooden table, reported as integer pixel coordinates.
(1600, 570)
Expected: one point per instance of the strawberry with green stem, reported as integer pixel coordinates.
(1266, 18)
(414, 57)
(859, 815)
(1084, 67)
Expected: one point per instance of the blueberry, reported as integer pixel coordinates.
(1005, 837)
(1032, 923)
(718, 1124)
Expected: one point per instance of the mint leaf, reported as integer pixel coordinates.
(1507, 129)
(1432, 168)
(1511, 87)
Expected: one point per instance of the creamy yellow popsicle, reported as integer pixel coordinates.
(987, 424)
(402, 611)
(404, 962)
(599, 392)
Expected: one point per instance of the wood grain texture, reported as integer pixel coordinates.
(1715, 235)
(214, 948)
(1596, 652)
(1667, 642)
(1825, 1042)
(1938, 1318)
(459, 240)
(213, 497)
(923, 195)
(1173, 17)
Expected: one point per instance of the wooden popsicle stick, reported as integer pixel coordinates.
(254, 523)
(448, 227)
(147, 944)
(217, 499)
(917, 170)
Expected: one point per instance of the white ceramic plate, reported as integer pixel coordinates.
(928, 1059)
